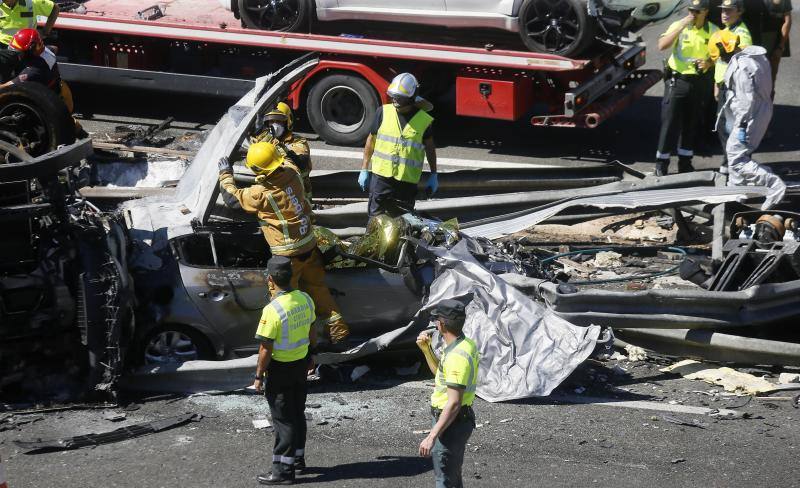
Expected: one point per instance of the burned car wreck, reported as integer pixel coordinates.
(199, 270)
(722, 285)
(65, 297)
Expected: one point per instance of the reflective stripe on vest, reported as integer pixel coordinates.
(471, 384)
(399, 151)
(295, 311)
(25, 19)
(288, 244)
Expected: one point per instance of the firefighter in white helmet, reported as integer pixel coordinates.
(401, 139)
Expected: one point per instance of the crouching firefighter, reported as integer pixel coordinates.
(456, 375)
(286, 334)
(745, 114)
(284, 213)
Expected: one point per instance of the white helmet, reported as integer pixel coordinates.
(404, 85)
(404, 88)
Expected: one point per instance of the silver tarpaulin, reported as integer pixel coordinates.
(525, 349)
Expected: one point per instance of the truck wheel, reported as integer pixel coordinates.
(561, 27)
(341, 109)
(34, 119)
(274, 15)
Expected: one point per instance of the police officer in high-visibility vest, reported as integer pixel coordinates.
(286, 333)
(454, 391)
(685, 86)
(401, 138)
(16, 15)
(278, 200)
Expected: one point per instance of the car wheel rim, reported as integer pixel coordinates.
(170, 347)
(22, 126)
(552, 24)
(343, 109)
(273, 14)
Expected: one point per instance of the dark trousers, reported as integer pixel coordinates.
(286, 394)
(680, 110)
(448, 452)
(387, 195)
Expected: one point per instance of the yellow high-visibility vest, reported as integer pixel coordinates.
(458, 368)
(399, 152)
(21, 16)
(691, 44)
(287, 320)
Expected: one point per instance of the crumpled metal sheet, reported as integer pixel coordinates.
(526, 350)
(636, 199)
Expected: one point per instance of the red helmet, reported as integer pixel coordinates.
(27, 41)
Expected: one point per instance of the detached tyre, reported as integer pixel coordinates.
(560, 27)
(34, 118)
(274, 15)
(341, 109)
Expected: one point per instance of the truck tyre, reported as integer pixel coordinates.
(34, 118)
(274, 15)
(341, 109)
(560, 27)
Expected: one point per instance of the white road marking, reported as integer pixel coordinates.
(467, 163)
(647, 405)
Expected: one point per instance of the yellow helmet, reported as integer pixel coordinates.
(722, 41)
(263, 158)
(282, 113)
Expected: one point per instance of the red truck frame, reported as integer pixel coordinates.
(340, 95)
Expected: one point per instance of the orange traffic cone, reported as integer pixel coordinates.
(3, 483)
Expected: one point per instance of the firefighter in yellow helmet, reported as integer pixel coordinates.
(285, 217)
(278, 127)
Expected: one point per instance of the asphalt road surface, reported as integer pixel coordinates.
(366, 434)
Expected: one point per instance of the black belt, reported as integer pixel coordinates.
(464, 412)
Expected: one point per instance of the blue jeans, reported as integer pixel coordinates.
(448, 452)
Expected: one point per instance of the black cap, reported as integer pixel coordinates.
(279, 265)
(449, 310)
(737, 4)
(698, 4)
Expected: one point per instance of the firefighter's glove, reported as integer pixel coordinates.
(433, 183)
(742, 135)
(363, 179)
(225, 165)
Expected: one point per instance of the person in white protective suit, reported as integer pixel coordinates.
(746, 113)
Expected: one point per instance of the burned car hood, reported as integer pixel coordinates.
(152, 222)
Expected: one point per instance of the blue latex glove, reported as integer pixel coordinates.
(224, 165)
(742, 135)
(363, 179)
(433, 183)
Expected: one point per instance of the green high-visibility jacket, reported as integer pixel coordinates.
(399, 152)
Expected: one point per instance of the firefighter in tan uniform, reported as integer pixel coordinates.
(279, 201)
(280, 123)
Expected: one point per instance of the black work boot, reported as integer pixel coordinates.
(662, 167)
(272, 479)
(299, 464)
(685, 164)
